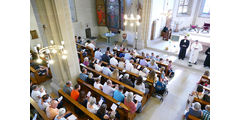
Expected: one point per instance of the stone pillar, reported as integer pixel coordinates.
(143, 29)
(55, 17)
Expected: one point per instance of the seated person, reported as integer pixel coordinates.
(83, 75)
(129, 65)
(92, 63)
(135, 70)
(170, 70)
(121, 55)
(86, 61)
(97, 84)
(126, 80)
(127, 56)
(42, 70)
(206, 113)
(157, 58)
(121, 63)
(91, 105)
(108, 88)
(152, 64)
(195, 111)
(82, 99)
(42, 90)
(160, 87)
(42, 103)
(114, 61)
(61, 114)
(148, 56)
(90, 44)
(102, 112)
(35, 93)
(52, 111)
(105, 57)
(75, 92)
(98, 66)
(98, 54)
(90, 80)
(128, 101)
(115, 74)
(106, 70)
(152, 56)
(140, 85)
(68, 88)
(118, 94)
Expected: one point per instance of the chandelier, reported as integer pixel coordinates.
(49, 51)
(131, 18)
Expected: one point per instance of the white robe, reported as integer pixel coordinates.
(195, 49)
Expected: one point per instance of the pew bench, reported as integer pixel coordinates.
(69, 103)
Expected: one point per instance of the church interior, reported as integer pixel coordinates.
(120, 59)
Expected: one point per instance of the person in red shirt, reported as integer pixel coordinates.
(75, 92)
(128, 101)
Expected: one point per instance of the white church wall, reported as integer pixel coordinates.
(184, 20)
(34, 26)
(86, 15)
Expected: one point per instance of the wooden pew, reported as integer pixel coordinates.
(123, 110)
(37, 108)
(91, 55)
(36, 79)
(202, 102)
(141, 57)
(129, 88)
(135, 76)
(190, 117)
(81, 56)
(70, 102)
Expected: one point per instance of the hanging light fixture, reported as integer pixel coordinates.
(129, 17)
(49, 51)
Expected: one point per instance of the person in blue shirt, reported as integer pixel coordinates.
(118, 94)
(127, 56)
(83, 75)
(121, 55)
(106, 70)
(160, 87)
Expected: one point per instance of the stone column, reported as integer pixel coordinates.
(55, 17)
(143, 29)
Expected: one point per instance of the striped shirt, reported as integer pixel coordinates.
(206, 115)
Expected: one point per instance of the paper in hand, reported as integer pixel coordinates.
(120, 76)
(59, 99)
(100, 102)
(89, 94)
(139, 66)
(114, 107)
(72, 117)
(126, 93)
(138, 98)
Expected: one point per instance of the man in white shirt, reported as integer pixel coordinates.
(98, 67)
(91, 45)
(106, 70)
(129, 65)
(127, 56)
(98, 54)
(114, 61)
(35, 93)
(107, 88)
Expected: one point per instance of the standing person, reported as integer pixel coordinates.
(124, 40)
(184, 44)
(195, 49)
(207, 60)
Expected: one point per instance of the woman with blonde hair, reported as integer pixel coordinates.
(91, 105)
(115, 74)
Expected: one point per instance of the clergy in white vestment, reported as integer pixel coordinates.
(196, 47)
